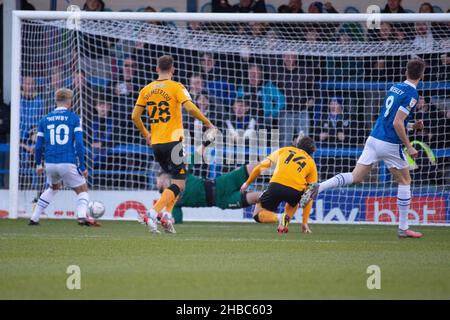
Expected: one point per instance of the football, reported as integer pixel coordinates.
(96, 209)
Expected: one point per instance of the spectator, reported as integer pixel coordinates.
(344, 68)
(258, 29)
(127, 84)
(439, 30)
(250, 6)
(294, 6)
(242, 120)
(203, 103)
(94, 48)
(209, 71)
(435, 134)
(126, 89)
(94, 5)
(402, 31)
(327, 30)
(426, 7)
(81, 89)
(196, 87)
(31, 107)
(102, 125)
(424, 37)
(393, 6)
(27, 149)
(334, 125)
(28, 177)
(49, 92)
(383, 34)
(221, 6)
(297, 86)
(334, 133)
(431, 118)
(290, 30)
(266, 100)
(217, 88)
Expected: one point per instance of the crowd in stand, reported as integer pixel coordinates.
(243, 91)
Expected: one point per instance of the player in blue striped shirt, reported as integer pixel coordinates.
(385, 144)
(61, 136)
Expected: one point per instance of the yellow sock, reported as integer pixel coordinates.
(166, 199)
(266, 216)
(170, 206)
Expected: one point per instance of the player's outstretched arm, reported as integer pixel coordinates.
(256, 172)
(196, 113)
(399, 126)
(136, 117)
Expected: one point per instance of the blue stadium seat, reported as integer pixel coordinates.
(168, 10)
(108, 9)
(207, 7)
(438, 9)
(351, 10)
(270, 8)
(98, 82)
(409, 11)
(125, 10)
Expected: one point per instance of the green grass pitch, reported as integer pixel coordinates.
(121, 260)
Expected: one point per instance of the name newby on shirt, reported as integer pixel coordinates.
(58, 118)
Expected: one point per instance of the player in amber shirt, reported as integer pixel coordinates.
(294, 170)
(163, 99)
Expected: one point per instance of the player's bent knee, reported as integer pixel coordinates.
(80, 189)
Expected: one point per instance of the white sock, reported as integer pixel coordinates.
(403, 203)
(339, 180)
(152, 214)
(82, 205)
(43, 202)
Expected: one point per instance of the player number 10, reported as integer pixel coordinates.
(55, 135)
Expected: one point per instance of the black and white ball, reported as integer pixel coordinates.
(96, 209)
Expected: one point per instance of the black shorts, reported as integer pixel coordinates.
(170, 157)
(275, 193)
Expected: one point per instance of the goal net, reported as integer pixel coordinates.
(261, 83)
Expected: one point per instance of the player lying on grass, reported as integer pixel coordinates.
(294, 170)
(61, 135)
(163, 98)
(223, 192)
(385, 143)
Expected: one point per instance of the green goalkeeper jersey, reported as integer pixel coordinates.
(194, 194)
(223, 192)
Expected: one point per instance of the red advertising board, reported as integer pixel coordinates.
(423, 209)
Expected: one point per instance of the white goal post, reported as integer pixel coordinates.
(121, 25)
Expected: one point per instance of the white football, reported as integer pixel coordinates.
(96, 209)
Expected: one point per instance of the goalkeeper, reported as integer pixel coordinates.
(222, 192)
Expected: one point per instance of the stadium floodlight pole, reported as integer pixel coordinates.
(15, 118)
